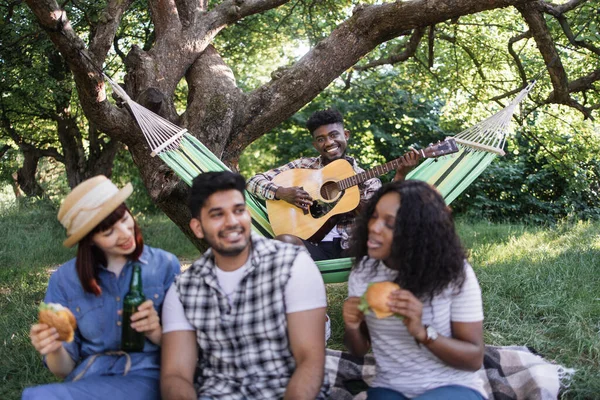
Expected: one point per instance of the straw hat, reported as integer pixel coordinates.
(88, 204)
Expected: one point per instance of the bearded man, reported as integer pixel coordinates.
(247, 319)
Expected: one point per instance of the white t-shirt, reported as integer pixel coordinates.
(229, 280)
(332, 234)
(403, 365)
(305, 290)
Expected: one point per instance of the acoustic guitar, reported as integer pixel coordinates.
(334, 190)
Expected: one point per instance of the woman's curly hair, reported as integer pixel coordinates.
(426, 250)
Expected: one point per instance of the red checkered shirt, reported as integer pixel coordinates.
(261, 186)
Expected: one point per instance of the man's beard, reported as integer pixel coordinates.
(327, 160)
(231, 251)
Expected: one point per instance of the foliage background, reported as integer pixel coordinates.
(551, 170)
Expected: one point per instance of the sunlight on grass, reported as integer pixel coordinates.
(595, 244)
(536, 245)
(540, 289)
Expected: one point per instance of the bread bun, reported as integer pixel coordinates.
(60, 318)
(377, 296)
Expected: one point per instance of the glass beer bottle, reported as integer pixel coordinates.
(132, 340)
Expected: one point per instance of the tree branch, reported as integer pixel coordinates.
(584, 83)
(533, 14)
(82, 10)
(10, 10)
(409, 49)
(104, 33)
(190, 10)
(505, 95)
(212, 99)
(558, 12)
(89, 82)
(350, 41)
(231, 11)
(431, 44)
(4, 149)
(225, 13)
(23, 145)
(467, 50)
(165, 17)
(515, 56)
(568, 6)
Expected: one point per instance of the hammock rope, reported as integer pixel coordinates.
(187, 157)
(183, 153)
(478, 146)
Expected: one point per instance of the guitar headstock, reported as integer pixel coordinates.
(441, 148)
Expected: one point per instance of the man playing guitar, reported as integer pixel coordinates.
(330, 139)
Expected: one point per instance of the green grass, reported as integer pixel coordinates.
(541, 288)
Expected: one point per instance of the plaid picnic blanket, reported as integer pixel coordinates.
(509, 373)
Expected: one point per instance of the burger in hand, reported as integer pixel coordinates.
(61, 318)
(376, 297)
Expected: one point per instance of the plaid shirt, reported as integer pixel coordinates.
(244, 350)
(261, 185)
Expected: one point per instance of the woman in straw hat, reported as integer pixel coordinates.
(92, 286)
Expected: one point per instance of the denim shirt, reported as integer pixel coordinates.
(98, 322)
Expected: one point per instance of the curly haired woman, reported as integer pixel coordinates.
(433, 345)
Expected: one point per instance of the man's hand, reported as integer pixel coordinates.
(294, 195)
(407, 162)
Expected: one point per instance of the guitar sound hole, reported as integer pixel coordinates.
(330, 190)
(319, 209)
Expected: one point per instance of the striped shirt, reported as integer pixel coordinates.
(261, 185)
(401, 364)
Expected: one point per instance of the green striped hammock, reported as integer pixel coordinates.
(188, 157)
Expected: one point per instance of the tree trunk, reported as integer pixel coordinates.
(79, 166)
(102, 153)
(15, 186)
(26, 175)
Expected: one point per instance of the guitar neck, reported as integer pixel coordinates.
(372, 173)
(447, 146)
